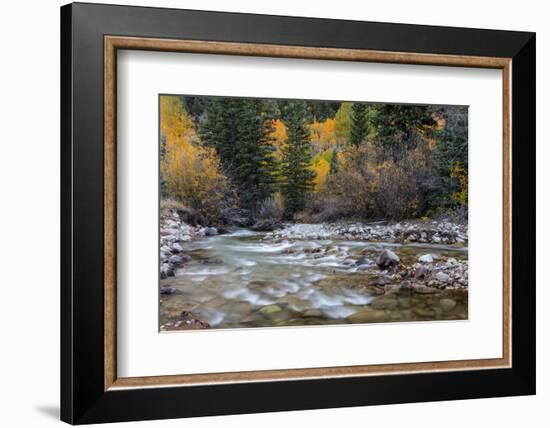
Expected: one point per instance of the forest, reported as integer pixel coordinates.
(223, 158)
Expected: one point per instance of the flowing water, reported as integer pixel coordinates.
(242, 279)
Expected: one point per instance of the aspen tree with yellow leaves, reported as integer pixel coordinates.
(191, 173)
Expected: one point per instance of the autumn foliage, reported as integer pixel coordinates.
(321, 160)
(190, 173)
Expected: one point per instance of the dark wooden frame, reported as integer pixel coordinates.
(87, 124)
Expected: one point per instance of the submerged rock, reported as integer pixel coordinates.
(447, 304)
(384, 302)
(270, 309)
(367, 316)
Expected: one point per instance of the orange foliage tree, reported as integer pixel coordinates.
(190, 173)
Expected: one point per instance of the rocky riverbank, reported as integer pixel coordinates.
(415, 231)
(427, 275)
(174, 233)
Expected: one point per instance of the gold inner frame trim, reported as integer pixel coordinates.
(113, 43)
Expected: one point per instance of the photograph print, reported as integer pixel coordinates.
(285, 212)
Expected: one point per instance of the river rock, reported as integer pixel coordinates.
(392, 288)
(270, 309)
(412, 237)
(313, 313)
(367, 316)
(424, 312)
(442, 276)
(384, 302)
(422, 289)
(187, 321)
(421, 272)
(387, 259)
(426, 258)
(175, 260)
(210, 231)
(166, 270)
(168, 290)
(177, 248)
(165, 249)
(212, 262)
(383, 280)
(447, 304)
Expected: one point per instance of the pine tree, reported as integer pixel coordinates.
(297, 175)
(399, 128)
(254, 166)
(334, 162)
(451, 156)
(239, 130)
(358, 129)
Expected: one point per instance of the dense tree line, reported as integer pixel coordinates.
(314, 160)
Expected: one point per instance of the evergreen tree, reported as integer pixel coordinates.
(399, 128)
(451, 155)
(254, 169)
(297, 175)
(239, 130)
(334, 162)
(358, 129)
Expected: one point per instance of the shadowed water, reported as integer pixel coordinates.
(241, 279)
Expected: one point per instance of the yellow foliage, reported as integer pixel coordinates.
(323, 135)
(279, 137)
(343, 121)
(461, 197)
(321, 169)
(192, 173)
(175, 124)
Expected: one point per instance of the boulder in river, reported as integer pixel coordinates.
(185, 258)
(166, 270)
(210, 231)
(387, 259)
(168, 290)
(363, 261)
(177, 248)
(175, 260)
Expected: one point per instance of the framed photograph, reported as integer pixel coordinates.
(266, 213)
